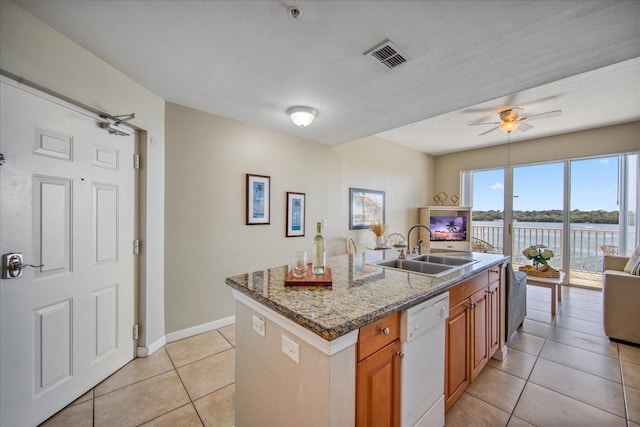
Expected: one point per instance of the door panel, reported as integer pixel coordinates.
(53, 345)
(52, 225)
(66, 202)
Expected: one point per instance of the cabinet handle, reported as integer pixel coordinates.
(385, 331)
(401, 354)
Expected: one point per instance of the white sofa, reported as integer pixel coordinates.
(621, 301)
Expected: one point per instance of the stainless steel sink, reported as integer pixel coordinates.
(428, 265)
(439, 259)
(421, 267)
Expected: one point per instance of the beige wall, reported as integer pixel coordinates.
(206, 236)
(590, 143)
(33, 51)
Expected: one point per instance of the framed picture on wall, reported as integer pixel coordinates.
(258, 199)
(295, 214)
(366, 207)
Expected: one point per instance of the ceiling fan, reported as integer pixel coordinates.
(514, 118)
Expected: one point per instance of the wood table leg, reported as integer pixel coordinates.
(554, 291)
(560, 292)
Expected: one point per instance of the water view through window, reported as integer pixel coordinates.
(539, 204)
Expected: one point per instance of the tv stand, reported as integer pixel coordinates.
(425, 214)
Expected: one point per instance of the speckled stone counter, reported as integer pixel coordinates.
(361, 293)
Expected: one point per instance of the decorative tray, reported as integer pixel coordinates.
(309, 278)
(544, 271)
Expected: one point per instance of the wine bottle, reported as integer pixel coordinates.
(319, 254)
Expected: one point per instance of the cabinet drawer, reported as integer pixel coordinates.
(372, 337)
(494, 273)
(468, 287)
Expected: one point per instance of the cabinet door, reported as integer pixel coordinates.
(494, 317)
(479, 331)
(457, 353)
(378, 388)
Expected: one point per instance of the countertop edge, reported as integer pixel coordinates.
(332, 333)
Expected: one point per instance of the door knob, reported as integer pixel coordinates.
(13, 265)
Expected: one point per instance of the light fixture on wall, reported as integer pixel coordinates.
(302, 116)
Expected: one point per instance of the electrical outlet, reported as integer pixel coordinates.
(324, 223)
(258, 325)
(291, 349)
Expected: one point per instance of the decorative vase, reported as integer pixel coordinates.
(380, 241)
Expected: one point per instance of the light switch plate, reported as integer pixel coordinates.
(291, 349)
(259, 326)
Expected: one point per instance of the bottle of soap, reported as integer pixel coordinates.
(319, 254)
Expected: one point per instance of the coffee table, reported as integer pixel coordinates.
(553, 283)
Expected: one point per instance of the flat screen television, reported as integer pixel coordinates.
(451, 228)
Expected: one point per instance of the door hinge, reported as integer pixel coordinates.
(135, 331)
(136, 161)
(136, 247)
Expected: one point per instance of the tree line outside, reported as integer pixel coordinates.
(577, 216)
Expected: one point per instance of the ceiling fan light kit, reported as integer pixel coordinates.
(302, 116)
(509, 126)
(513, 118)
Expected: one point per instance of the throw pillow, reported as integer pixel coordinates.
(632, 260)
(636, 268)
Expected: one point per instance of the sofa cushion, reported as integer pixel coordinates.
(636, 268)
(632, 260)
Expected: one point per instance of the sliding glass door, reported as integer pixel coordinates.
(538, 206)
(593, 217)
(580, 209)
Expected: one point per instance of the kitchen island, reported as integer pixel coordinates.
(296, 345)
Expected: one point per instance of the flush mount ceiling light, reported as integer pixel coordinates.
(302, 116)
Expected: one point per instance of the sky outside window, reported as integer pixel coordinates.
(594, 186)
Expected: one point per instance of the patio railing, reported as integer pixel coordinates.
(584, 243)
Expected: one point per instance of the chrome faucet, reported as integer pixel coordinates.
(419, 242)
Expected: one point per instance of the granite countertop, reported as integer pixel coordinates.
(360, 294)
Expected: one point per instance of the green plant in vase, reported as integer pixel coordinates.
(538, 254)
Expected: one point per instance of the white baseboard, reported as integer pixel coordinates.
(200, 329)
(150, 349)
(184, 333)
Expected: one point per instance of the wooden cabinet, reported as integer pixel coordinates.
(494, 317)
(472, 331)
(457, 353)
(478, 308)
(378, 373)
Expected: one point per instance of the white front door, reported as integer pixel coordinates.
(67, 196)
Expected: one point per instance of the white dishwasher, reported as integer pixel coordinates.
(422, 336)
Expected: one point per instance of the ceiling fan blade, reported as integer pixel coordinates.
(490, 130)
(524, 127)
(484, 123)
(554, 113)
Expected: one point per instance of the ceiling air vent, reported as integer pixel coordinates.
(388, 54)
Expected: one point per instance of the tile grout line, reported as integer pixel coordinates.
(624, 389)
(551, 325)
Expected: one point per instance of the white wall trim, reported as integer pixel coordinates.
(150, 349)
(200, 329)
(184, 333)
(327, 347)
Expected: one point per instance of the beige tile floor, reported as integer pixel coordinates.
(560, 371)
(186, 383)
